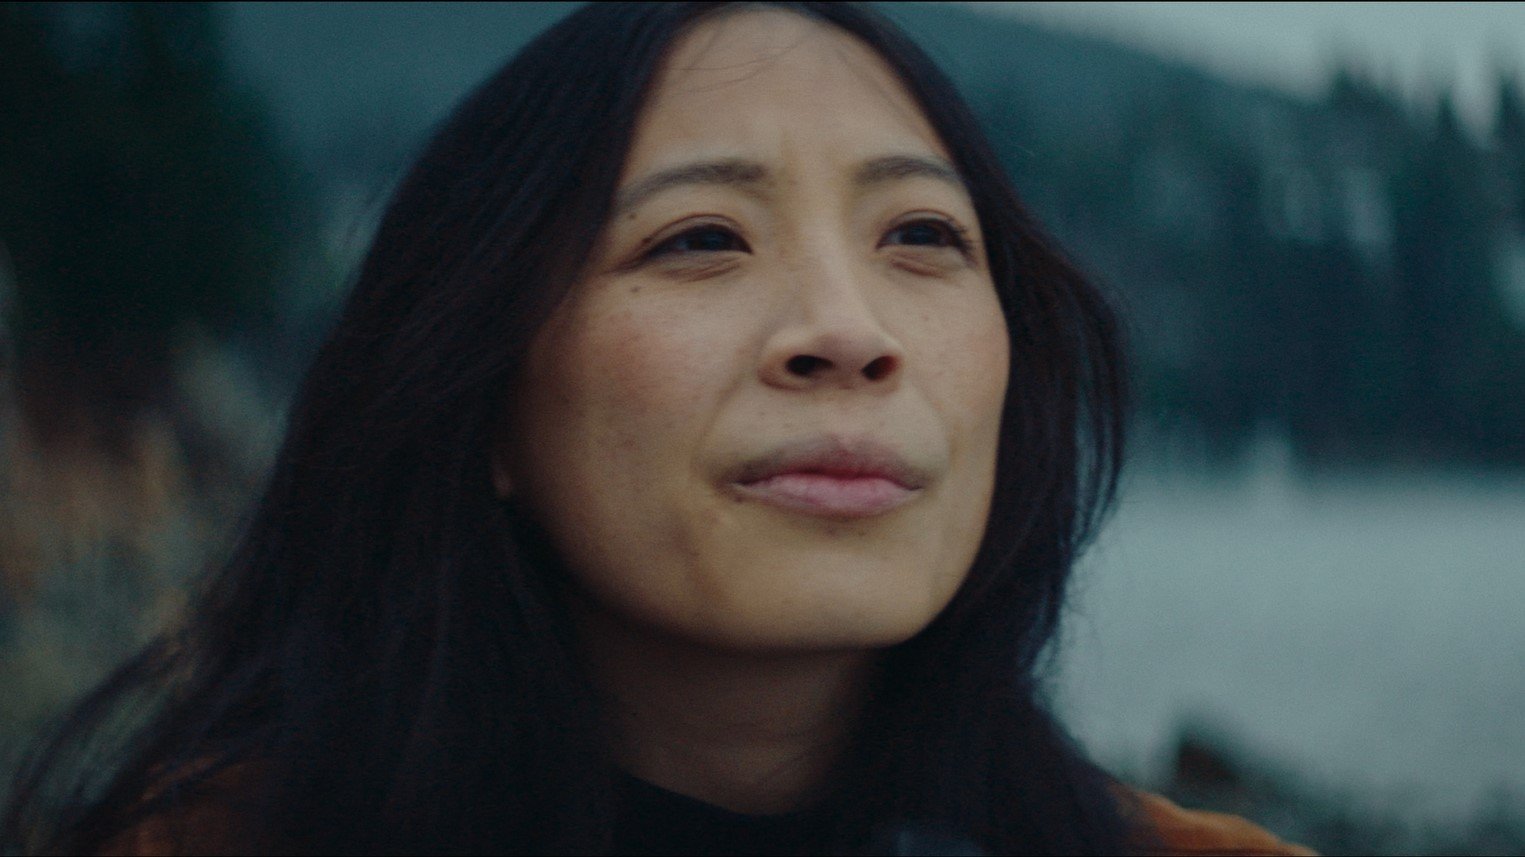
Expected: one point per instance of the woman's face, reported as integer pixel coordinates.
(766, 420)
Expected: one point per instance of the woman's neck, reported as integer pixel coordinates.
(751, 733)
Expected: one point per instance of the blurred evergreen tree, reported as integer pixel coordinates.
(1464, 361)
(1509, 144)
(143, 213)
(140, 196)
(1505, 410)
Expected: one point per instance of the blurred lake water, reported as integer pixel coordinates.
(1366, 631)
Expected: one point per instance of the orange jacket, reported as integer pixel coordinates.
(1193, 832)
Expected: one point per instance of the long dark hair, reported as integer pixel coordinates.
(387, 664)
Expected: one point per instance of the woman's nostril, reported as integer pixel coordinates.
(804, 364)
(879, 367)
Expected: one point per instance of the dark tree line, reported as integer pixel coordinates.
(1339, 272)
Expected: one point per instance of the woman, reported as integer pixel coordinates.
(696, 467)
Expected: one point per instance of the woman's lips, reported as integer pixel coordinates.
(828, 495)
(830, 477)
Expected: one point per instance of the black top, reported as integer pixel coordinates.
(655, 821)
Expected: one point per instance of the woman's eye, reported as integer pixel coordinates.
(703, 239)
(926, 233)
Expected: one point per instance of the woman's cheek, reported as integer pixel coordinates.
(968, 361)
(652, 371)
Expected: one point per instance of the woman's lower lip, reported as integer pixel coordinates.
(828, 496)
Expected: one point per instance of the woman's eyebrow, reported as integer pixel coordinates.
(743, 174)
(751, 176)
(888, 168)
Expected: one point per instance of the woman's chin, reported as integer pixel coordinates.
(835, 610)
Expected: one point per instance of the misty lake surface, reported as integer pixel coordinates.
(1365, 632)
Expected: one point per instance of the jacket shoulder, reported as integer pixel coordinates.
(1177, 830)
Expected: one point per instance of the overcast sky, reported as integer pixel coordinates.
(1420, 47)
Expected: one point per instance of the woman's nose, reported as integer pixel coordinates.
(833, 338)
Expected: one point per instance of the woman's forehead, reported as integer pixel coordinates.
(752, 83)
